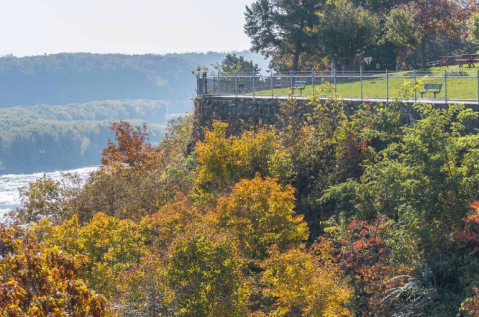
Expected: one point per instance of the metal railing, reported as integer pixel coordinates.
(457, 85)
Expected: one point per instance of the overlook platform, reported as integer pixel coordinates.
(452, 85)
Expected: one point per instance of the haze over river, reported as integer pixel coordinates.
(10, 183)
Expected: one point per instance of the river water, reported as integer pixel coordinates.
(10, 183)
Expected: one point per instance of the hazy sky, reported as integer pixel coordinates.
(33, 27)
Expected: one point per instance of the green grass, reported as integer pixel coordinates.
(464, 87)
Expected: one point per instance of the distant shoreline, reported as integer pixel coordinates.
(9, 184)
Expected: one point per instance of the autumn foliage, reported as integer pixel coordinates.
(35, 282)
(471, 222)
(131, 148)
(330, 213)
(470, 235)
(471, 305)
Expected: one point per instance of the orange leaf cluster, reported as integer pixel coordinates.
(38, 283)
(131, 149)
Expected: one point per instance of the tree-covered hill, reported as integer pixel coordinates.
(44, 137)
(58, 145)
(82, 77)
(151, 110)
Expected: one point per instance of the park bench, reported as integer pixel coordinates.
(300, 85)
(434, 88)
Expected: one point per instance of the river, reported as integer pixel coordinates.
(10, 183)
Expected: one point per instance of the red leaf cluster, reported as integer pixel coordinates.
(471, 226)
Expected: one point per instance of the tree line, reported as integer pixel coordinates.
(46, 138)
(83, 77)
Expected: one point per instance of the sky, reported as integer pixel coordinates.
(37, 27)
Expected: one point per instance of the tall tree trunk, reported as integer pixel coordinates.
(296, 56)
(423, 53)
(352, 55)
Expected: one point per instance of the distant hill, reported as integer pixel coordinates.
(47, 138)
(83, 77)
(90, 91)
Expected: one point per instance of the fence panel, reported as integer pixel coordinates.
(396, 84)
(461, 86)
(374, 85)
(348, 84)
(457, 84)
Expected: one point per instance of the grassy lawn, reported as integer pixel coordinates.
(461, 84)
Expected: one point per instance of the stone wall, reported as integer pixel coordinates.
(248, 111)
(237, 111)
(242, 112)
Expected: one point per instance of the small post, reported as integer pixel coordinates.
(197, 85)
(214, 84)
(415, 90)
(312, 82)
(445, 86)
(236, 83)
(272, 85)
(387, 86)
(291, 80)
(205, 83)
(335, 83)
(219, 84)
(477, 76)
(361, 82)
(254, 91)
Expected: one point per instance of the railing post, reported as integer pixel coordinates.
(445, 86)
(254, 91)
(214, 84)
(415, 90)
(197, 85)
(312, 81)
(291, 80)
(335, 84)
(387, 86)
(236, 83)
(272, 85)
(203, 84)
(361, 82)
(477, 76)
(219, 84)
